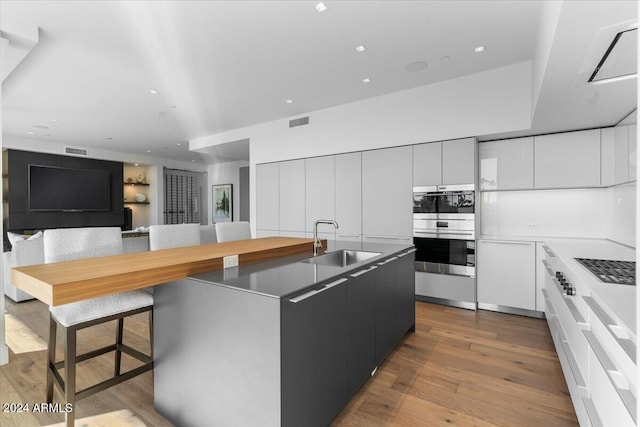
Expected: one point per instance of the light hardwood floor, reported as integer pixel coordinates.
(459, 368)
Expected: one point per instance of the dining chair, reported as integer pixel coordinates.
(78, 243)
(229, 231)
(168, 236)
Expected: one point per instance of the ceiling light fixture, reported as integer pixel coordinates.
(148, 151)
(135, 164)
(321, 7)
(172, 106)
(30, 133)
(479, 49)
(178, 143)
(155, 92)
(367, 80)
(360, 49)
(53, 120)
(289, 101)
(41, 127)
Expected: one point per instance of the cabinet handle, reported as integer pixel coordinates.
(626, 396)
(313, 292)
(361, 272)
(547, 301)
(573, 366)
(499, 242)
(575, 313)
(627, 345)
(348, 235)
(386, 261)
(592, 413)
(548, 268)
(406, 253)
(388, 238)
(548, 251)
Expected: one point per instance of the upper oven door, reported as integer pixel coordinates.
(444, 199)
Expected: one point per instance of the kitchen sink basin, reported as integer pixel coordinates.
(341, 258)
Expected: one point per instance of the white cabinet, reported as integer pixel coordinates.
(267, 197)
(387, 193)
(567, 160)
(446, 162)
(607, 159)
(320, 192)
(506, 274)
(459, 161)
(621, 154)
(633, 149)
(348, 183)
(507, 164)
(292, 195)
(427, 164)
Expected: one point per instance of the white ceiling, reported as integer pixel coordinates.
(222, 65)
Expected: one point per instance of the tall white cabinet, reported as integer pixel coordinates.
(320, 190)
(267, 200)
(292, 197)
(387, 194)
(445, 162)
(506, 164)
(348, 184)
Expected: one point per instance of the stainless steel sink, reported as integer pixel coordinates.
(341, 258)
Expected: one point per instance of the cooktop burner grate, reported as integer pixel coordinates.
(610, 271)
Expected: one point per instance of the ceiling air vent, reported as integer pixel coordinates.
(299, 122)
(76, 151)
(620, 58)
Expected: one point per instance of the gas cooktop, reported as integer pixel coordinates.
(610, 271)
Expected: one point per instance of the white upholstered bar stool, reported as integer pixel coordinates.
(168, 236)
(229, 231)
(77, 243)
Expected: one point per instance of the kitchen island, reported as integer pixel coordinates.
(280, 342)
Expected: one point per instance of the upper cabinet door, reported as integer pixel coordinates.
(387, 192)
(621, 154)
(427, 164)
(267, 197)
(349, 195)
(633, 149)
(320, 190)
(459, 161)
(292, 195)
(506, 165)
(567, 160)
(607, 161)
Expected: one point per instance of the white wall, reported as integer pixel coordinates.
(490, 102)
(226, 173)
(544, 213)
(621, 214)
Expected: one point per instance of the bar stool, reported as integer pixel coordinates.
(69, 244)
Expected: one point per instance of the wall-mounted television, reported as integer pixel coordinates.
(58, 189)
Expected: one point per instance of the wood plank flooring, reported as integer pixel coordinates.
(459, 368)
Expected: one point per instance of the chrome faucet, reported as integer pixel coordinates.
(317, 244)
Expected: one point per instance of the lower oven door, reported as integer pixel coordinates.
(445, 256)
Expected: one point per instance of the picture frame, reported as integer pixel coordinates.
(222, 202)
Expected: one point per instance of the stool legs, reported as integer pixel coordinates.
(51, 358)
(118, 358)
(70, 374)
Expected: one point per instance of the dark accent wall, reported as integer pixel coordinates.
(20, 218)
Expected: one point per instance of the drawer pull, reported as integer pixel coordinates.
(549, 269)
(501, 242)
(313, 292)
(627, 345)
(577, 376)
(548, 304)
(386, 261)
(577, 316)
(592, 413)
(361, 272)
(628, 399)
(406, 253)
(548, 251)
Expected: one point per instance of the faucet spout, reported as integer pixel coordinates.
(317, 244)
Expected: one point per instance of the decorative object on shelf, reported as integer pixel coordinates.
(129, 180)
(140, 197)
(140, 177)
(222, 202)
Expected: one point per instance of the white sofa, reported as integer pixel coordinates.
(29, 252)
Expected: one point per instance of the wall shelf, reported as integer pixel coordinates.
(136, 203)
(136, 183)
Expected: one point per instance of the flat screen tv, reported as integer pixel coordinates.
(54, 188)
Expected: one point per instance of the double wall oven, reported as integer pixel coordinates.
(444, 229)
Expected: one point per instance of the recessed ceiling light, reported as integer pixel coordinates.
(321, 7)
(289, 101)
(178, 143)
(53, 120)
(445, 58)
(135, 164)
(155, 92)
(193, 160)
(416, 66)
(367, 80)
(360, 49)
(148, 151)
(30, 133)
(479, 49)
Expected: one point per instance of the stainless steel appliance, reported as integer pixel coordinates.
(444, 229)
(611, 271)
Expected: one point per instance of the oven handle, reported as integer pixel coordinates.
(458, 233)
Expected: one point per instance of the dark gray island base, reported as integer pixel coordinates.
(278, 342)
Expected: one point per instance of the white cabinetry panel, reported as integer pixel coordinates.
(621, 154)
(387, 192)
(567, 160)
(633, 149)
(267, 197)
(506, 273)
(320, 190)
(506, 165)
(427, 164)
(348, 182)
(459, 161)
(607, 160)
(292, 197)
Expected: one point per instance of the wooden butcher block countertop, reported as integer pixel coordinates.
(78, 280)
